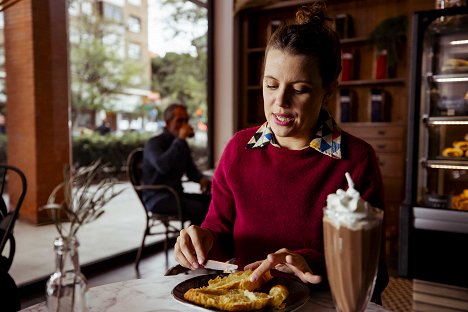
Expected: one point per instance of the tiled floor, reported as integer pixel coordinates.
(118, 233)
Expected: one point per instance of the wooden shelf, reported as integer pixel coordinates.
(370, 82)
(345, 41)
(369, 124)
(256, 50)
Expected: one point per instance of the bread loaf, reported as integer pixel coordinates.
(236, 293)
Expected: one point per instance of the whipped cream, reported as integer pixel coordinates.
(347, 208)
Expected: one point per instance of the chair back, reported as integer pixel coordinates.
(135, 176)
(135, 169)
(8, 217)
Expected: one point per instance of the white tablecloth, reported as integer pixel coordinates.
(145, 295)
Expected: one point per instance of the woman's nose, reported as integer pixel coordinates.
(283, 98)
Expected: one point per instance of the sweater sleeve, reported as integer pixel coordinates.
(368, 180)
(221, 213)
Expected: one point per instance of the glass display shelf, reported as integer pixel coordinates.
(445, 120)
(447, 78)
(447, 220)
(449, 164)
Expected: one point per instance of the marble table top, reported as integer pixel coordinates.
(154, 295)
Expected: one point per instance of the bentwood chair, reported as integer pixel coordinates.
(153, 220)
(8, 217)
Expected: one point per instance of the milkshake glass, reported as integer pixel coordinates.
(352, 231)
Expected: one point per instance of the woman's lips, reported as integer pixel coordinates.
(283, 119)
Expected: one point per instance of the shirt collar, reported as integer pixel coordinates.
(327, 139)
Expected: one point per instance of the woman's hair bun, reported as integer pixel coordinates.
(312, 14)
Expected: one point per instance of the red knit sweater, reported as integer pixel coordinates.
(270, 198)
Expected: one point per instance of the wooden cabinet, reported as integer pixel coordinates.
(254, 26)
(387, 140)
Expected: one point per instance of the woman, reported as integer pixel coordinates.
(271, 184)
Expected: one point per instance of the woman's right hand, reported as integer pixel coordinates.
(192, 246)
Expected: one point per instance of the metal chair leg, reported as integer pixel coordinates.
(140, 250)
(166, 242)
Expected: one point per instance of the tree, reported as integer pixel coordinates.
(99, 71)
(183, 77)
(180, 77)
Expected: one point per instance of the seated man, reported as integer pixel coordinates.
(167, 157)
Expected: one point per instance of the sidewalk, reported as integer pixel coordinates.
(119, 230)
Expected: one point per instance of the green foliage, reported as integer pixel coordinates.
(111, 149)
(98, 71)
(389, 35)
(183, 77)
(183, 11)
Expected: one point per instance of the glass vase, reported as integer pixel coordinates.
(66, 288)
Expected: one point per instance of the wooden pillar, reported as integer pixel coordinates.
(37, 82)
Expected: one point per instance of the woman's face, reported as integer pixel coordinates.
(292, 97)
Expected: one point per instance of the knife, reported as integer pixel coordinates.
(220, 266)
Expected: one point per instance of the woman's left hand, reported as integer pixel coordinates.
(285, 261)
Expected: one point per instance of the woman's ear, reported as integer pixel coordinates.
(329, 91)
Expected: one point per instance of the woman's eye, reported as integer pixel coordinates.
(269, 86)
(300, 91)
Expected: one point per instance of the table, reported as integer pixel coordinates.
(154, 295)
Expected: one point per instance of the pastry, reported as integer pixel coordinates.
(279, 294)
(228, 300)
(452, 152)
(454, 64)
(463, 145)
(238, 280)
(460, 201)
(236, 293)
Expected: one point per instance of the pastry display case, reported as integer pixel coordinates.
(434, 214)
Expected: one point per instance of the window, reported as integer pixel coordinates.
(74, 8)
(112, 12)
(136, 80)
(134, 50)
(74, 35)
(135, 2)
(134, 24)
(87, 8)
(115, 41)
